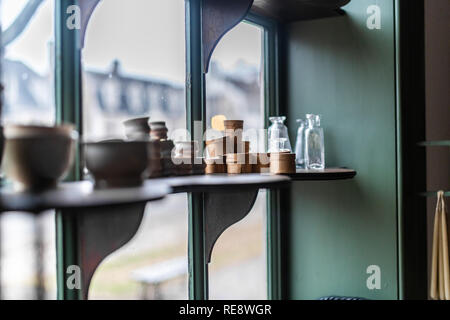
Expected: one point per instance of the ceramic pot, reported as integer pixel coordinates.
(158, 130)
(117, 163)
(137, 129)
(37, 157)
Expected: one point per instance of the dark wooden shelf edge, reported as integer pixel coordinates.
(321, 15)
(287, 11)
(224, 182)
(329, 174)
(69, 195)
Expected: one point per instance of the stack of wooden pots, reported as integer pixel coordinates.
(229, 154)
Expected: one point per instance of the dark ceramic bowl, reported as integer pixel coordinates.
(137, 128)
(117, 163)
(36, 157)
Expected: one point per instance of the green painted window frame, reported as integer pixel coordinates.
(68, 94)
(196, 110)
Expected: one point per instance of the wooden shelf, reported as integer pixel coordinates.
(79, 195)
(327, 174)
(296, 10)
(224, 182)
(82, 194)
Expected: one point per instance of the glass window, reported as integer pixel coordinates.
(28, 80)
(234, 88)
(134, 65)
(131, 68)
(27, 62)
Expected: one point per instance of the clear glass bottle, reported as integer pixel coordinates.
(278, 136)
(314, 144)
(300, 144)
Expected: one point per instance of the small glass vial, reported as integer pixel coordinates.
(278, 136)
(300, 145)
(314, 144)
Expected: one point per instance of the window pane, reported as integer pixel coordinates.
(131, 68)
(234, 88)
(28, 79)
(27, 63)
(134, 65)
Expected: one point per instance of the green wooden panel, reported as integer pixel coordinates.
(339, 68)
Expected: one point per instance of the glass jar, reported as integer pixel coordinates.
(300, 144)
(314, 144)
(278, 136)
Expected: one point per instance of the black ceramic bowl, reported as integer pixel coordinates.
(37, 157)
(117, 163)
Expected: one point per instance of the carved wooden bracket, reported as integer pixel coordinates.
(222, 210)
(219, 17)
(100, 232)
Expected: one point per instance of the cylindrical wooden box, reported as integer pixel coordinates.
(233, 130)
(282, 163)
(261, 162)
(216, 165)
(238, 163)
(158, 130)
(219, 147)
(242, 147)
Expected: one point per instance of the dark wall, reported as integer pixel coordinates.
(437, 58)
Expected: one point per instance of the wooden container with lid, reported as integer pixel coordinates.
(238, 163)
(261, 164)
(282, 163)
(234, 129)
(216, 165)
(158, 130)
(233, 124)
(219, 147)
(242, 147)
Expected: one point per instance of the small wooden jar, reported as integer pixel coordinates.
(216, 165)
(158, 130)
(261, 163)
(234, 129)
(219, 147)
(233, 124)
(238, 163)
(137, 129)
(282, 163)
(242, 147)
